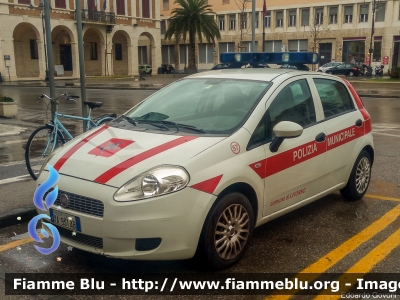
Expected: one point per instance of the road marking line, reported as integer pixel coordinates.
(14, 179)
(365, 264)
(333, 257)
(381, 197)
(15, 244)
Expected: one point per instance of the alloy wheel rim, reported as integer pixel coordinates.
(362, 175)
(231, 232)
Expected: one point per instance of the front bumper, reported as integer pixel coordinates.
(174, 220)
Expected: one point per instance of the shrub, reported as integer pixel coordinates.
(395, 73)
(6, 99)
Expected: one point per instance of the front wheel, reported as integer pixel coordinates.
(39, 146)
(351, 73)
(359, 179)
(226, 231)
(329, 72)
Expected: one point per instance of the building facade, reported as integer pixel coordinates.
(118, 35)
(338, 30)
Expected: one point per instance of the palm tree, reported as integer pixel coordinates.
(191, 18)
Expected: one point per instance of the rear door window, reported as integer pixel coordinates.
(334, 97)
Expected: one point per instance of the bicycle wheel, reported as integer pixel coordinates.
(39, 146)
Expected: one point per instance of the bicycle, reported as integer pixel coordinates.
(45, 139)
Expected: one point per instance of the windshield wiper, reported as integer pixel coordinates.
(133, 122)
(191, 127)
(153, 122)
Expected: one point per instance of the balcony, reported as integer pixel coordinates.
(97, 16)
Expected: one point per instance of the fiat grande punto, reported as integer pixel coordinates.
(196, 166)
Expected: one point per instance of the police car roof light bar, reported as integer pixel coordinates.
(278, 58)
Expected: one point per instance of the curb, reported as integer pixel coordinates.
(379, 96)
(10, 218)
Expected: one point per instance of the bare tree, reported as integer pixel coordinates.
(243, 28)
(317, 34)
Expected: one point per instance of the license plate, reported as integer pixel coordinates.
(65, 220)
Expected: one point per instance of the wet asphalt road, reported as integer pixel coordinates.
(289, 244)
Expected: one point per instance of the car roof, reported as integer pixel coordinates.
(271, 74)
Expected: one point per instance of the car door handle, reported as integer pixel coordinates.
(320, 137)
(359, 123)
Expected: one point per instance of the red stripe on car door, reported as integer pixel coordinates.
(75, 148)
(114, 171)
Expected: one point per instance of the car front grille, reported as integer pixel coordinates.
(80, 238)
(82, 204)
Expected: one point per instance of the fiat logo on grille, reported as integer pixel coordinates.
(64, 200)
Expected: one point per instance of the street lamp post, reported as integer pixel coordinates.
(41, 7)
(371, 50)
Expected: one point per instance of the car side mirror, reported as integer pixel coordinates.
(284, 130)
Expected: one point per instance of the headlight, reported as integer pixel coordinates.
(155, 182)
(48, 158)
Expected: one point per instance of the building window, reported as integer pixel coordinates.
(34, 49)
(267, 19)
(256, 21)
(221, 22)
(243, 20)
(247, 47)
(24, 2)
(142, 55)
(60, 4)
(298, 45)
(168, 54)
(377, 51)
(225, 1)
(165, 4)
(348, 14)
(292, 18)
(279, 19)
(93, 51)
(226, 47)
(120, 7)
(163, 26)
(273, 46)
(319, 16)
(118, 51)
(333, 15)
(380, 12)
(364, 13)
(305, 17)
(145, 8)
(183, 53)
(206, 53)
(232, 22)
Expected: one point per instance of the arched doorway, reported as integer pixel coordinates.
(63, 50)
(26, 50)
(146, 51)
(121, 56)
(94, 47)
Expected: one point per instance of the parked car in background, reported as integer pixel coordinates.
(220, 66)
(146, 69)
(167, 69)
(299, 67)
(329, 65)
(345, 69)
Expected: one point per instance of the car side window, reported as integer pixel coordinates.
(334, 97)
(293, 103)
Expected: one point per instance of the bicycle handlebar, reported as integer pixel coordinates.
(65, 95)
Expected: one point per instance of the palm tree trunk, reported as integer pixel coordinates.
(192, 53)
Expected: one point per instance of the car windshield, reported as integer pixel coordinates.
(199, 106)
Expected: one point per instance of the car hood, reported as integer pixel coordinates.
(112, 156)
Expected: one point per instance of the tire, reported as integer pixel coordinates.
(329, 73)
(35, 151)
(231, 205)
(359, 179)
(351, 74)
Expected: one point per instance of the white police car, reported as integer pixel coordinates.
(197, 165)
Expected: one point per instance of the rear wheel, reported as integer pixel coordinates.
(359, 179)
(40, 144)
(351, 73)
(226, 231)
(330, 72)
